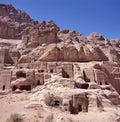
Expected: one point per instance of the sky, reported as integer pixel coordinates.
(84, 16)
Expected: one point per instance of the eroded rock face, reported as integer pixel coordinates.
(95, 36)
(45, 32)
(83, 49)
(61, 52)
(52, 53)
(69, 53)
(12, 22)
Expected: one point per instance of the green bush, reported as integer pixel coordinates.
(15, 117)
(49, 118)
(49, 100)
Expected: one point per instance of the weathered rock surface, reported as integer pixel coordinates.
(40, 34)
(83, 49)
(12, 22)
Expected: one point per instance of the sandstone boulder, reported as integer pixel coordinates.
(69, 53)
(52, 53)
(95, 36)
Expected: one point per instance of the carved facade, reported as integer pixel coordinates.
(74, 104)
(103, 74)
(5, 79)
(9, 56)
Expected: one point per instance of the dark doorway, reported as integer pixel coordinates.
(3, 87)
(26, 87)
(65, 74)
(85, 77)
(57, 102)
(88, 80)
(100, 83)
(38, 82)
(14, 88)
(51, 71)
(79, 108)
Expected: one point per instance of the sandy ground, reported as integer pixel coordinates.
(16, 102)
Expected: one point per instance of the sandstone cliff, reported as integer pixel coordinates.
(68, 45)
(12, 22)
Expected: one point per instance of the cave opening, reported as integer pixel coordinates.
(14, 88)
(51, 71)
(65, 74)
(85, 77)
(100, 83)
(80, 108)
(3, 88)
(56, 102)
(21, 75)
(41, 71)
(38, 82)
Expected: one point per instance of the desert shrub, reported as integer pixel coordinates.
(15, 117)
(49, 100)
(49, 118)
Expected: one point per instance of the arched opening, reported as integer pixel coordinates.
(56, 102)
(84, 86)
(65, 74)
(14, 88)
(80, 108)
(38, 82)
(20, 74)
(3, 88)
(25, 87)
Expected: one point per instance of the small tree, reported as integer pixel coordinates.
(49, 118)
(15, 117)
(49, 100)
